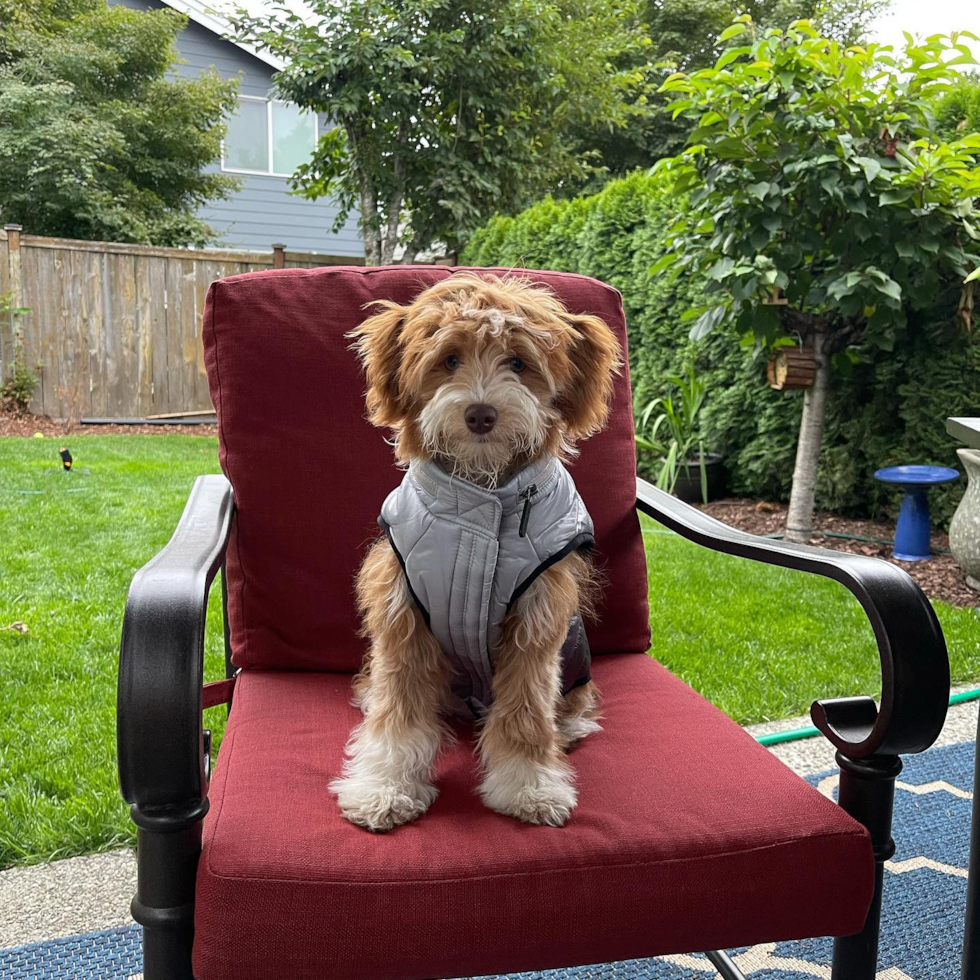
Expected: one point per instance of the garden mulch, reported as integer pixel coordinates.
(27, 425)
(939, 577)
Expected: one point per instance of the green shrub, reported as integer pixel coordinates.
(958, 110)
(19, 388)
(889, 408)
(21, 382)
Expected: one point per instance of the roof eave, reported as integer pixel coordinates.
(206, 17)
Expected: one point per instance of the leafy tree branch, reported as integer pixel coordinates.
(447, 111)
(97, 139)
(815, 174)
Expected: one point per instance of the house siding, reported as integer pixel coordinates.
(262, 211)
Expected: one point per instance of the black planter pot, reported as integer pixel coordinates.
(688, 486)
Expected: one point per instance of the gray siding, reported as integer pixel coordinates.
(262, 211)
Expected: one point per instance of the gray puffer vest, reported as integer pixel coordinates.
(469, 553)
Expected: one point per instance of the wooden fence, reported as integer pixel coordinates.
(116, 329)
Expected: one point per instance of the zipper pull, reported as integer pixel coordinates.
(526, 493)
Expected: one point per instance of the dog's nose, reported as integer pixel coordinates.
(480, 418)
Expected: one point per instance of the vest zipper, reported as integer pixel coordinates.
(526, 493)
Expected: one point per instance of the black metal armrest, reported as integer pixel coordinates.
(911, 647)
(161, 751)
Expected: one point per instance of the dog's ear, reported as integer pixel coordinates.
(595, 359)
(378, 343)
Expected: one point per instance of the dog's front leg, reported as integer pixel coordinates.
(387, 776)
(526, 773)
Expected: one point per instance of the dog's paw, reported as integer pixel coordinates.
(544, 808)
(544, 797)
(380, 807)
(574, 729)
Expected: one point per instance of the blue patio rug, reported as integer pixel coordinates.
(922, 922)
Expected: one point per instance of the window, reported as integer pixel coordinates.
(247, 141)
(293, 136)
(268, 137)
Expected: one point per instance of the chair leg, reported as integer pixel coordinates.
(168, 849)
(971, 929)
(724, 964)
(867, 793)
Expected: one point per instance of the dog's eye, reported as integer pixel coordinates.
(452, 362)
(517, 365)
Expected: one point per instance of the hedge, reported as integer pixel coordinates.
(889, 408)
(958, 110)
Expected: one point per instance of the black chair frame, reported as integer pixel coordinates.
(164, 750)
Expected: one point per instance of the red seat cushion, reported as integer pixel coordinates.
(688, 836)
(310, 474)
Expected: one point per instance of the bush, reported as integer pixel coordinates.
(889, 408)
(958, 111)
(19, 388)
(16, 392)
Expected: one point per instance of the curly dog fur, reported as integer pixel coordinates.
(548, 376)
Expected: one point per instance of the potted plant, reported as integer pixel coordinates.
(669, 427)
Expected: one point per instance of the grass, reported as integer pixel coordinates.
(761, 643)
(69, 546)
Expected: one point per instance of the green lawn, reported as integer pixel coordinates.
(761, 643)
(68, 549)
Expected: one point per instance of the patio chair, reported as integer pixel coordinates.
(689, 835)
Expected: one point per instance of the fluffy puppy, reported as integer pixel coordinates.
(487, 384)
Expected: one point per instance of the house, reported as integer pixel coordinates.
(266, 140)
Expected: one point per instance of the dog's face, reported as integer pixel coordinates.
(486, 374)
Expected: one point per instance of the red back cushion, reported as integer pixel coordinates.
(310, 473)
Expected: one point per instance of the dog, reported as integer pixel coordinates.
(473, 599)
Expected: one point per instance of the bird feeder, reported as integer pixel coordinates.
(791, 367)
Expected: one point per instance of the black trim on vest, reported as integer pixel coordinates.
(584, 541)
(578, 683)
(386, 527)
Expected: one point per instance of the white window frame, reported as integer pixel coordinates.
(268, 138)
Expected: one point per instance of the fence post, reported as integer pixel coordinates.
(13, 257)
(278, 255)
(16, 292)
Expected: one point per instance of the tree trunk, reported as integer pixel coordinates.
(390, 241)
(369, 198)
(391, 233)
(369, 222)
(369, 217)
(799, 520)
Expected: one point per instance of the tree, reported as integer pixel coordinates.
(958, 110)
(684, 36)
(688, 32)
(815, 177)
(447, 110)
(97, 139)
